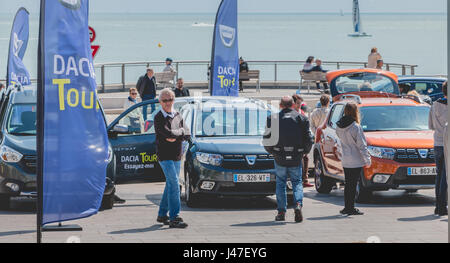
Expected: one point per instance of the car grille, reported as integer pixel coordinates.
(29, 161)
(413, 156)
(238, 162)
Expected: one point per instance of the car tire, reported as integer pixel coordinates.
(108, 201)
(5, 202)
(322, 183)
(190, 197)
(363, 194)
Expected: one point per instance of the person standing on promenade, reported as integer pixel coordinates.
(131, 100)
(180, 90)
(288, 138)
(170, 134)
(355, 155)
(319, 115)
(300, 107)
(146, 87)
(437, 121)
(374, 56)
(243, 67)
(380, 64)
(169, 67)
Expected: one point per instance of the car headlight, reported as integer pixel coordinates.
(110, 154)
(9, 155)
(379, 152)
(209, 158)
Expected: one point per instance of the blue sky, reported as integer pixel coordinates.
(245, 6)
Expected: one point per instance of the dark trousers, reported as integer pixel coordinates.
(305, 168)
(352, 175)
(144, 108)
(441, 179)
(325, 85)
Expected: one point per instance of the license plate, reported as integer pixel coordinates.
(251, 178)
(422, 171)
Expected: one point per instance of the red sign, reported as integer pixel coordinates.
(92, 36)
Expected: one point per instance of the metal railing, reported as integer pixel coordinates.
(273, 71)
(122, 74)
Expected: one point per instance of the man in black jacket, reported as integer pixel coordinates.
(146, 87)
(288, 138)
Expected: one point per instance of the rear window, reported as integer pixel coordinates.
(364, 81)
(394, 118)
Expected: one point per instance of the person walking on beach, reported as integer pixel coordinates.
(319, 115)
(243, 67)
(180, 90)
(288, 138)
(301, 108)
(437, 121)
(355, 155)
(374, 56)
(146, 87)
(170, 134)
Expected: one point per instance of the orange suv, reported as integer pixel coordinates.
(396, 129)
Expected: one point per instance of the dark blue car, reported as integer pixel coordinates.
(426, 86)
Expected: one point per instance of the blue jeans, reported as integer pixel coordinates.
(441, 178)
(170, 201)
(295, 174)
(144, 108)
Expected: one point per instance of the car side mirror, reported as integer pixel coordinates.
(120, 129)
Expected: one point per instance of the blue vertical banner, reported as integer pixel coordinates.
(225, 52)
(16, 70)
(72, 137)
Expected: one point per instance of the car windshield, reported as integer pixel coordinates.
(219, 122)
(22, 120)
(394, 118)
(364, 81)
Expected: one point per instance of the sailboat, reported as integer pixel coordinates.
(357, 27)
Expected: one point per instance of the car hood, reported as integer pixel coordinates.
(231, 145)
(400, 139)
(22, 144)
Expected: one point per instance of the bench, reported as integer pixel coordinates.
(165, 79)
(251, 75)
(311, 77)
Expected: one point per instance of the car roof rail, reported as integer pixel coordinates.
(352, 96)
(412, 97)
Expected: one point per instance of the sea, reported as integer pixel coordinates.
(419, 39)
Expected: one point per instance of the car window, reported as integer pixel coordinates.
(394, 118)
(364, 81)
(22, 120)
(136, 122)
(336, 115)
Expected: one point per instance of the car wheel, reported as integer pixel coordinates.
(363, 195)
(5, 202)
(191, 198)
(322, 183)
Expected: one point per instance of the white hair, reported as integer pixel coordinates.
(167, 92)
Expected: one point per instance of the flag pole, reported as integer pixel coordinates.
(40, 124)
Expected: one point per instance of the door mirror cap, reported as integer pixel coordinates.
(122, 129)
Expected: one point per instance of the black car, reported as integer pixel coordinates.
(18, 148)
(427, 87)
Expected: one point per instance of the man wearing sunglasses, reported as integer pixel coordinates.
(170, 134)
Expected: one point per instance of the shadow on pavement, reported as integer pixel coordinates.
(420, 218)
(210, 203)
(392, 198)
(265, 223)
(20, 206)
(13, 233)
(329, 218)
(139, 230)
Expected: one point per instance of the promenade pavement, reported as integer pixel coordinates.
(391, 217)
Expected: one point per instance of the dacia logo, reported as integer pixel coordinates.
(72, 4)
(423, 153)
(251, 159)
(17, 45)
(227, 35)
